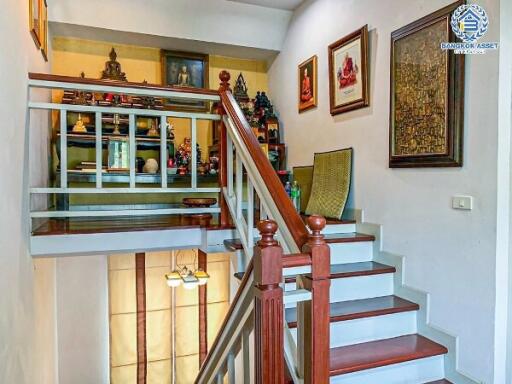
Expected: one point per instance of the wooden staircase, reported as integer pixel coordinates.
(349, 363)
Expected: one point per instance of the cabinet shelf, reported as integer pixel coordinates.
(142, 178)
(86, 140)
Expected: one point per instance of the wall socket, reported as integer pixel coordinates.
(462, 202)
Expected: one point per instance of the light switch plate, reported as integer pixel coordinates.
(462, 202)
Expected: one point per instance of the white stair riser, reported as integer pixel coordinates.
(413, 372)
(339, 228)
(356, 252)
(370, 329)
(359, 287)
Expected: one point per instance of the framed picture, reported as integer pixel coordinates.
(427, 95)
(34, 10)
(273, 131)
(308, 90)
(261, 134)
(264, 148)
(118, 154)
(185, 69)
(43, 23)
(348, 72)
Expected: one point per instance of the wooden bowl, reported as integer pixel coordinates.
(199, 202)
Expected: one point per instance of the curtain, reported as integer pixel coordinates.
(164, 347)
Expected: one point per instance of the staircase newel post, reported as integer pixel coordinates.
(313, 323)
(224, 77)
(268, 306)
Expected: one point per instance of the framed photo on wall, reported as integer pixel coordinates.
(43, 22)
(427, 95)
(34, 10)
(308, 90)
(348, 72)
(188, 70)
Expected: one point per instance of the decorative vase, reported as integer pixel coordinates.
(151, 166)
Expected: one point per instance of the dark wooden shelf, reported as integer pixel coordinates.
(358, 357)
(141, 178)
(67, 226)
(358, 309)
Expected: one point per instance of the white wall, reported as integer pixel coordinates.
(19, 330)
(82, 320)
(218, 21)
(451, 254)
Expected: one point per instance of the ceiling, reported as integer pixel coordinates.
(289, 5)
(144, 40)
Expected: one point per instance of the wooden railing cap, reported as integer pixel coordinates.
(267, 229)
(316, 223)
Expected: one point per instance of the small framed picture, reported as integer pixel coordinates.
(308, 89)
(273, 131)
(264, 148)
(348, 72)
(185, 69)
(118, 155)
(34, 9)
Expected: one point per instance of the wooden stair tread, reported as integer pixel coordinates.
(339, 271)
(358, 309)
(358, 357)
(333, 238)
(442, 381)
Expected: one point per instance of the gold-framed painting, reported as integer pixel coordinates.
(185, 70)
(44, 29)
(348, 72)
(308, 80)
(34, 14)
(427, 94)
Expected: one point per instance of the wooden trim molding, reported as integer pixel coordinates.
(122, 84)
(140, 290)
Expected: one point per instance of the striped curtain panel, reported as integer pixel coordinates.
(154, 332)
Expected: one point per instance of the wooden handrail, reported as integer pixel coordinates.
(283, 202)
(117, 83)
(296, 260)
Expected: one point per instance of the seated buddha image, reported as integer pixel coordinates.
(347, 74)
(184, 77)
(306, 93)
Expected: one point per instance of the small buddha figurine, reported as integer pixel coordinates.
(184, 77)
(113, 68)
(152, 129)
(79, 125)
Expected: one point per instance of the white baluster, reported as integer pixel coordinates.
(239, 186)
(229, 159)
(250, 213)
(63, 148)
(99, 150)
(231, 368)
(133, 149)
(163, 150)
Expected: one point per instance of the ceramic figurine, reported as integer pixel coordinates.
(151, 166)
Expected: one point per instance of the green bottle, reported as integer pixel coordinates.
(295, 195)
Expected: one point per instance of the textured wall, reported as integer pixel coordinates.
(451, 254)
(21, 335)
